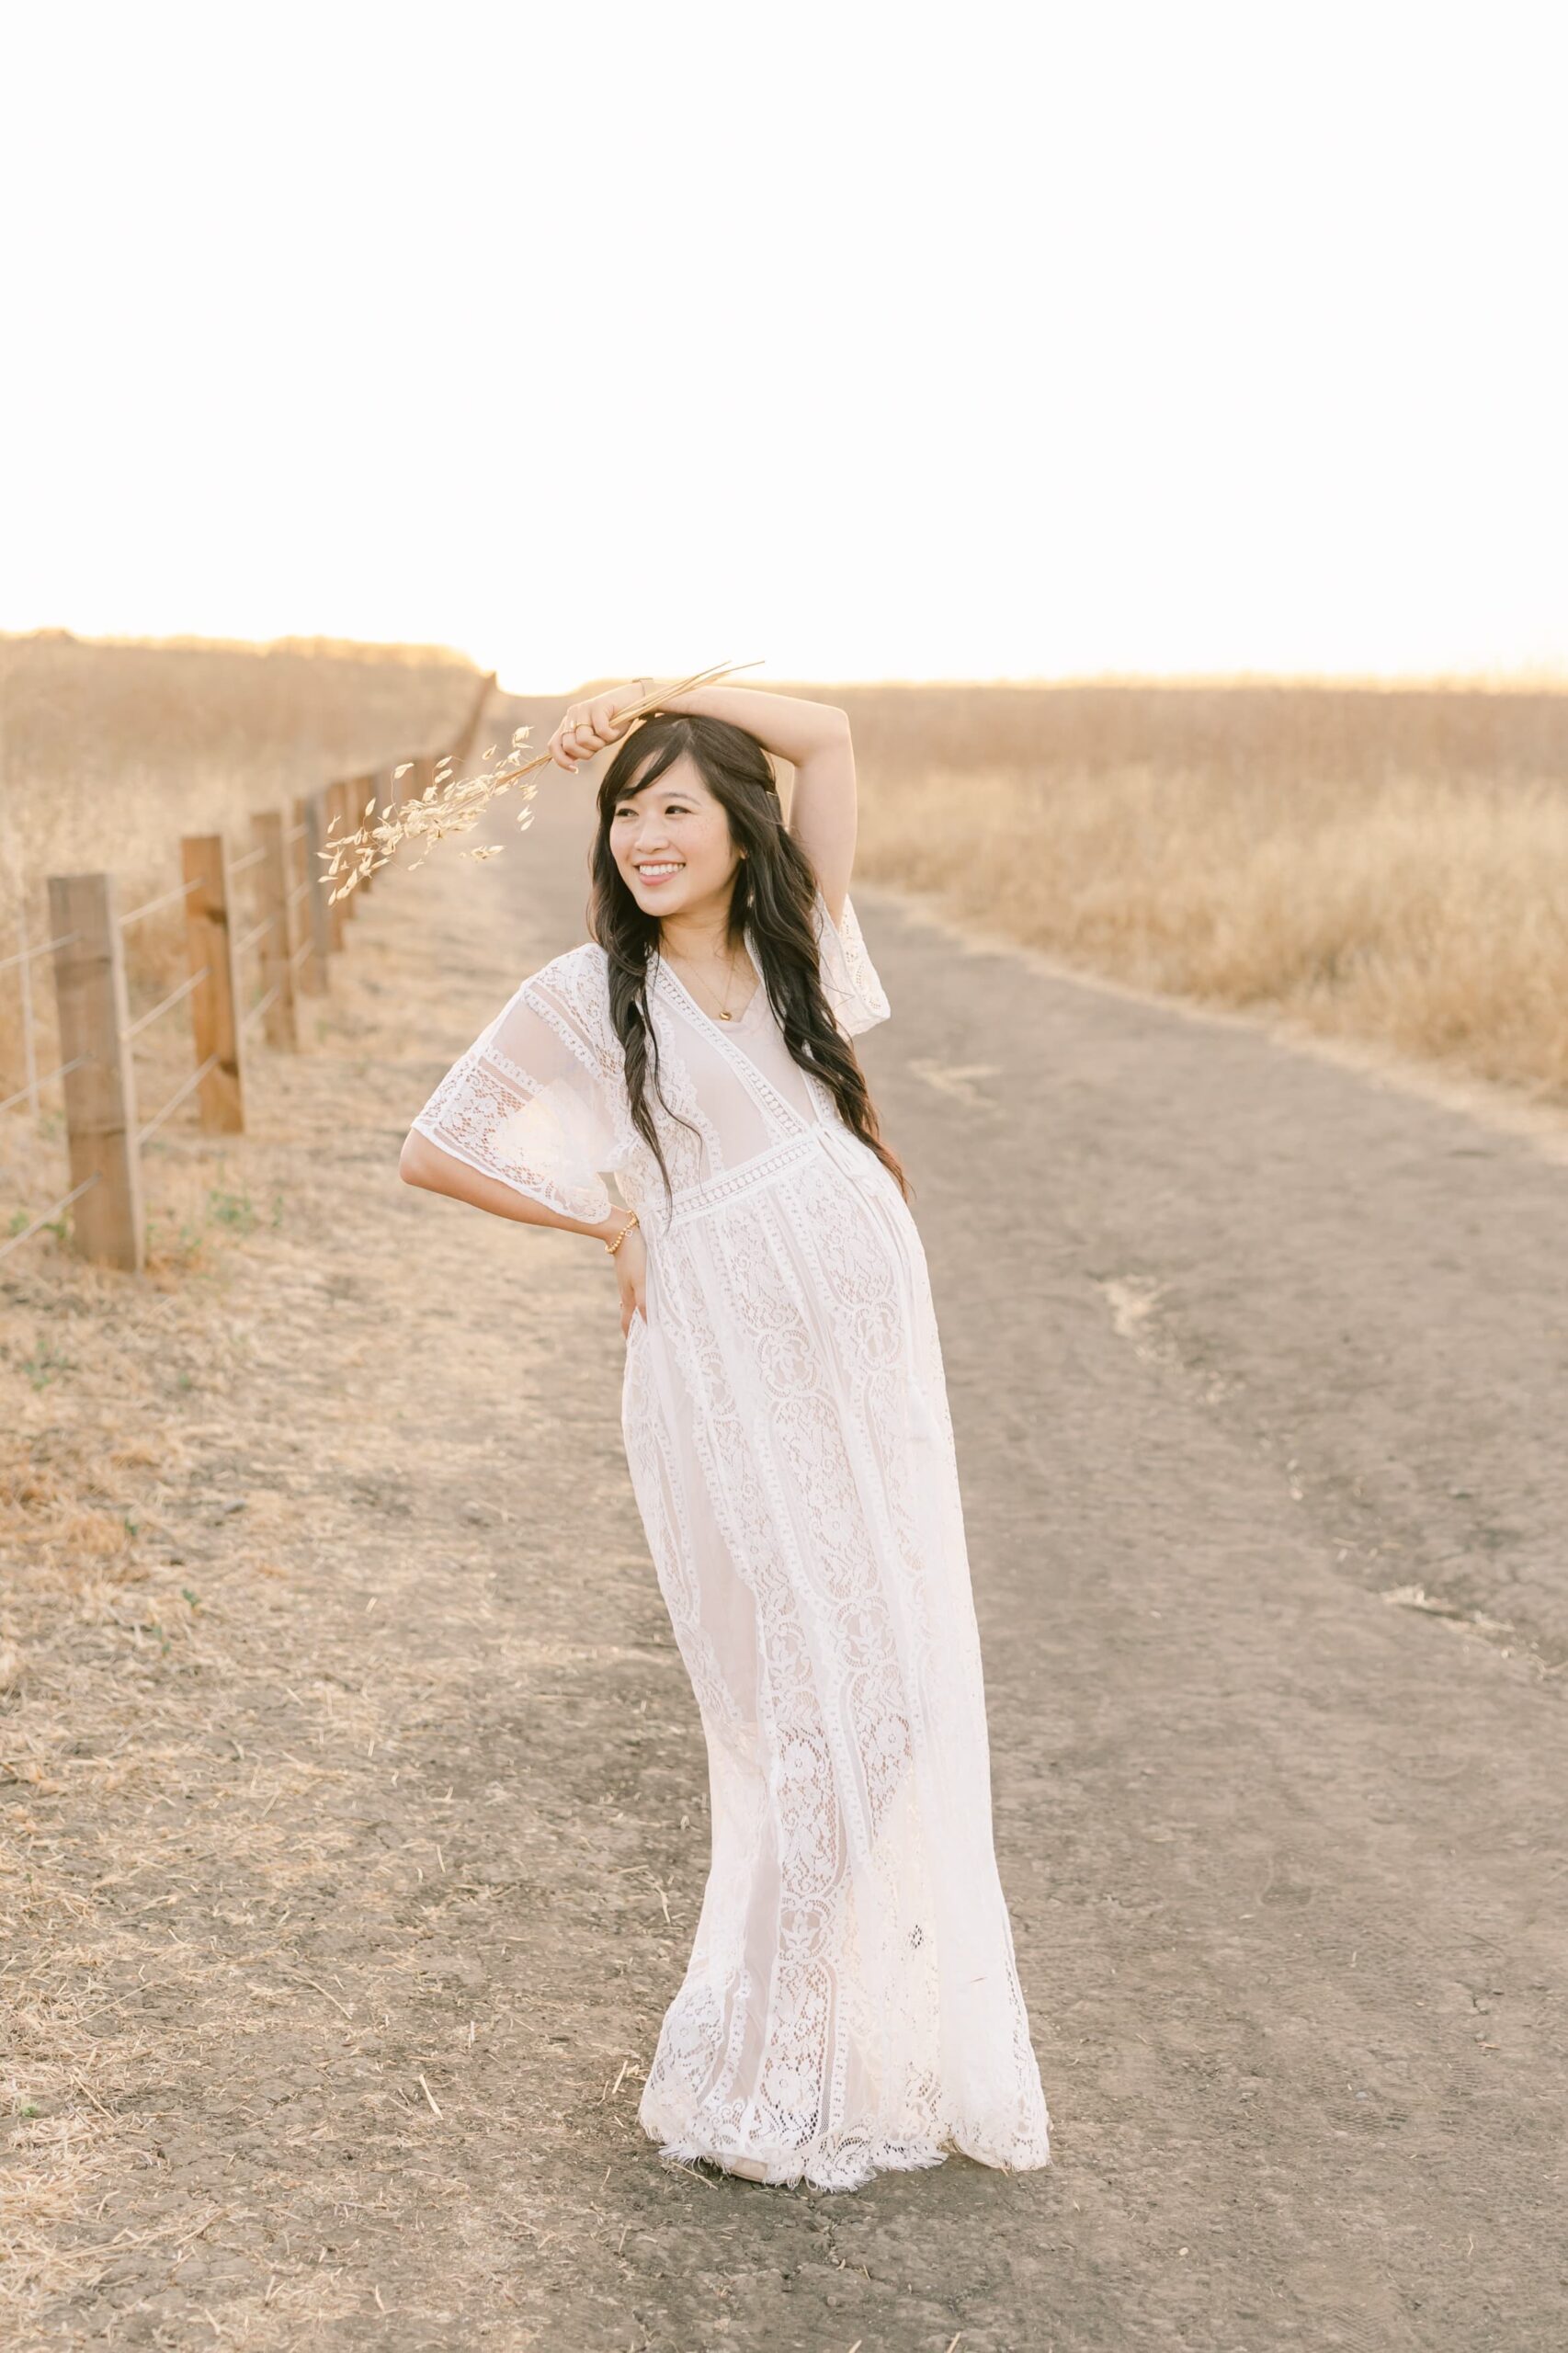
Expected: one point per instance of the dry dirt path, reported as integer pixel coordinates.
(384, 1859)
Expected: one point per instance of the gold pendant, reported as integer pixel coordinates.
(726, 1017)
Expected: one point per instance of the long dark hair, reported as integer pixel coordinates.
(774, 892)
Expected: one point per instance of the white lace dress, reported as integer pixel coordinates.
(851, 2002)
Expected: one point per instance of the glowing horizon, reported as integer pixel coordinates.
(1143, 347)
(1518, 678)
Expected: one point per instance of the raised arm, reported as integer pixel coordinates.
(812, 736)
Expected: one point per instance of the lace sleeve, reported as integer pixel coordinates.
(529, 1103)
(856, 996)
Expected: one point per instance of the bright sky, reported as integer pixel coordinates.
(1005, 339)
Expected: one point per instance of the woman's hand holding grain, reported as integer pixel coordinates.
(591, 726)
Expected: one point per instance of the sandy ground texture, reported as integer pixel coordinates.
(357, 1799)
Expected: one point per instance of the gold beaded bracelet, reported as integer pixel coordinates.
(613, 1246)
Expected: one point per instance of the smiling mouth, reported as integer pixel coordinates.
(662, 872)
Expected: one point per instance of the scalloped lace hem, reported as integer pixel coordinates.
(851, 2164)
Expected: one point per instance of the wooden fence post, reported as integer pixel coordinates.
(100, 1092)
(357, 792)
(360, 789)
(25, 981)
(353, 801)
(214, 1001)
(336, 805)
(310, 812)
(277, 940)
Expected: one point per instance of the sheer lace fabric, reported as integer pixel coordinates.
(851, 2002)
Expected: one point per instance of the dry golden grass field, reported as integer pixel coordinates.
(1382, 863)
(109, 752)
(1385, 864)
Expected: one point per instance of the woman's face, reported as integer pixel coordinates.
(671, 841)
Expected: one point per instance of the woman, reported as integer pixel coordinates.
(851, 2003)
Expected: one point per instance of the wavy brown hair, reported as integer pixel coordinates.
(774, 892)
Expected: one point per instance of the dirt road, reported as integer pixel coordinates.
(1255, 1365)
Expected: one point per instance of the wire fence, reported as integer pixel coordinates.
(260, 931)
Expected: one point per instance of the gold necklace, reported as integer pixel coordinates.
(725, 1013)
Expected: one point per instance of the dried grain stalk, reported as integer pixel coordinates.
(454, 805)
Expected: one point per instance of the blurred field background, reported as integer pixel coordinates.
(1383, 863)
(109, 751)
